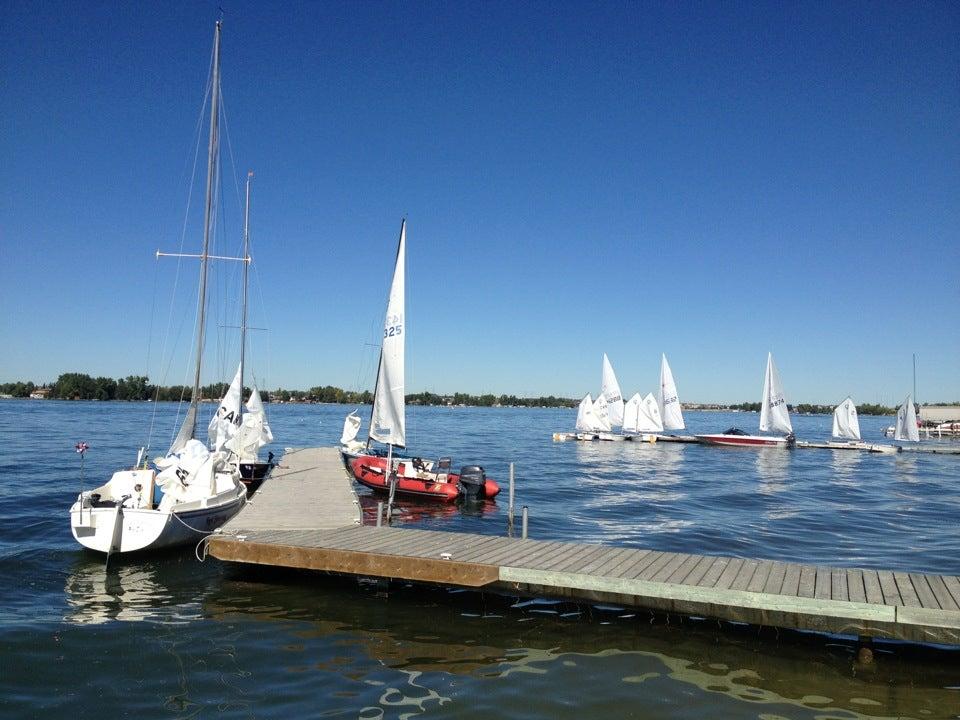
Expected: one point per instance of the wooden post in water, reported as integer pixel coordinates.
(523, 523)
(510, 506)
(379, 513)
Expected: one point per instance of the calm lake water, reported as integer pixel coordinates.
(169, 637)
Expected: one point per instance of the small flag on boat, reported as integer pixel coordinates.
(82, 447)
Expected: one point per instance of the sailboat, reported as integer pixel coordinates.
(201, 489)
(669, 401)
(774, 417)
(596, 419)
(906, 428)
(410, 476)
(641, 418)
(243, 433)
(846, 430)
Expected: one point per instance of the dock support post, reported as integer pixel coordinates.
(510, 506)
(380, 513)
(523, 523)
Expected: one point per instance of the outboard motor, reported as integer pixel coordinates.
(470, 487)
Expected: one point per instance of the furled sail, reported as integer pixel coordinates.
(254, 431)
(845, 422)
(631, 412)
(774, 416)
(226, 421)
(388, 424)
(907, 422)
(610, 391)
(351, 426)
(670, 409)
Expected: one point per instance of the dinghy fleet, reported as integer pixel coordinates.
(644, 419)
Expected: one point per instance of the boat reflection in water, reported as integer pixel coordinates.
(128, 592)
(418, 650)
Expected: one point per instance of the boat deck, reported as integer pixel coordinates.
(325, 535)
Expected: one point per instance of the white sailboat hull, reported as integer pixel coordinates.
(142, 529)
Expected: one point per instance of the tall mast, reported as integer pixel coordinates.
(188, 429)
(212, 151)
(246, 271)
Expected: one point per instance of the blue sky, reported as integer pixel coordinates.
(712, 181)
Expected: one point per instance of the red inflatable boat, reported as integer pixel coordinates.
(419, 479)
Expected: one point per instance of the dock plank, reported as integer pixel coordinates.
(855, 589)
(940, 591)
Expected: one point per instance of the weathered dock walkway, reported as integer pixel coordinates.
(914, 607)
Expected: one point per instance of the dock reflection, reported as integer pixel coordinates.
(425, 636)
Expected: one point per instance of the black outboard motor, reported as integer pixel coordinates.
(470, 487)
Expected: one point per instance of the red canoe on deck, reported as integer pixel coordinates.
(414, 481)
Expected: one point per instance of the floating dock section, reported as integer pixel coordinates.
(304, 518)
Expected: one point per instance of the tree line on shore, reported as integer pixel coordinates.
(80, 386)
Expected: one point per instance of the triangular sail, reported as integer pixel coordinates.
(586, 422)
(388, 422)
(907, 422)
(187, 429)
(774, 416)
(845, 421)
(631, 412)
(649, 415)
(224, 423)
(670, 410)
(610, 390)
(601, 414)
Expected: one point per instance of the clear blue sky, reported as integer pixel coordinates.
(712, 181)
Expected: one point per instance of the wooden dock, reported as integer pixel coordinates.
(915, 607)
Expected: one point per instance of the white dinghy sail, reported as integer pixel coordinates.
(907, 422)
(774, 416)
(610, 392)
(388, 419)
(670, 409)
(846, 425)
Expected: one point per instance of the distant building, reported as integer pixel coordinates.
(40, 394)
(940, 413)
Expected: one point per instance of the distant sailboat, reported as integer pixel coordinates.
(906, 428)
(588, 424)
(642, 416)
(610, 392)
(774, 417)
(845, 422)
(669, 401)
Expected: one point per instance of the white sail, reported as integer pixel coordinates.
(670, 410)
(254, 431)
(845, 422)
(388, 423)
(610, 390)
(649, 415)
(351, 426)
(601, 414)
(907, 422)
(631, 414)
(226, 421)
(586, 422)
(774, 416)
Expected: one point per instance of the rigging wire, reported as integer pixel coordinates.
(164, 372)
